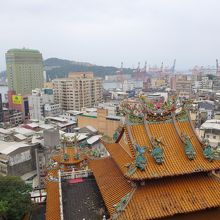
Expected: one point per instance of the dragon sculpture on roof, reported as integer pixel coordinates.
(157, 152)
(139, 162)
(188, 147)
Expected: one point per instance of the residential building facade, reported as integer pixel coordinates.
(37, 101)
(102, 121)
(216, 84)
(24, 70)
(80, 89)
(18, 103)
(1, 109)
(52, 110)
(183, 86)
(17, 158)
(210, 130)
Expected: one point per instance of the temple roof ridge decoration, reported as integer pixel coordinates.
(180, 144)
(157, 151)
(155, 199)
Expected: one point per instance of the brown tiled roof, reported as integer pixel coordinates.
(126, 144)
(119, 155)
(71, 153)
(112, 184)
(185, 127)
(159, 197)
(140, 135)
(53, 202)
(175, 160)
(173, 195)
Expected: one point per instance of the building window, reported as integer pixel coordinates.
(214, 137)
(207, 136)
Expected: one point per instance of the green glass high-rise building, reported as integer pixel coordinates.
(24, 70)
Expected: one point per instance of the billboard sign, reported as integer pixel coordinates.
(17, 99)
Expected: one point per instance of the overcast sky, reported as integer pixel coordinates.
(106, 32)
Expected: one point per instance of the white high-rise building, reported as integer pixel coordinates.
(37, 100)
(80, 89)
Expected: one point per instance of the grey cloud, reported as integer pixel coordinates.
(106, 32)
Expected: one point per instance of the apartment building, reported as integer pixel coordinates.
(37, 101)
(100, 120)
(210, 130)
(216, 84)
(183, 85)
(18, 103)
(1, 109)
(80, 89)
(52, 109)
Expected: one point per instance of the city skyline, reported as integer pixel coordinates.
(106, 33)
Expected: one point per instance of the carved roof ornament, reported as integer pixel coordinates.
(209, 152)
(187, 104)
(65, 157)
(121, 205)
(157, 152)
(139, 162)
(133, 108)
(117, 133)
(135, 111)
(159, 112)
(188, 147)
(70, 142)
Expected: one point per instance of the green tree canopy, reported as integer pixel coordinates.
(15, 199)
(211, 76)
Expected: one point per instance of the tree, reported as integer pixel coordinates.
(211, 76)
(15, 199)
(3, 209)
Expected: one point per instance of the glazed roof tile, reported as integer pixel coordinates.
(112, 184)
(175, 159)
(53, 202)
(125, 145)
(170, 196)
(159, 197)
(71, 160)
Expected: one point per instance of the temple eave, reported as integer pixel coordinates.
(168, 197)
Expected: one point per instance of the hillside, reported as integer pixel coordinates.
(58, 68)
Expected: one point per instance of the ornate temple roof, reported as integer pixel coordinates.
(71, 158)
(112, 184)
(170, 144)
(64, 158)
(156, 199)
(158, 167)
(175, 160)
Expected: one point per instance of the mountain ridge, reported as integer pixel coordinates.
(59, 68)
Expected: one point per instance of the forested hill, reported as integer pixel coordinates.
(58, 68)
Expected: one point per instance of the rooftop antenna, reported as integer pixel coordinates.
(174, 66)
(137, 72)
(161, 68)
(217, 68)
(138, 66)
(120, 78)
(145, 66)
(121, 66)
